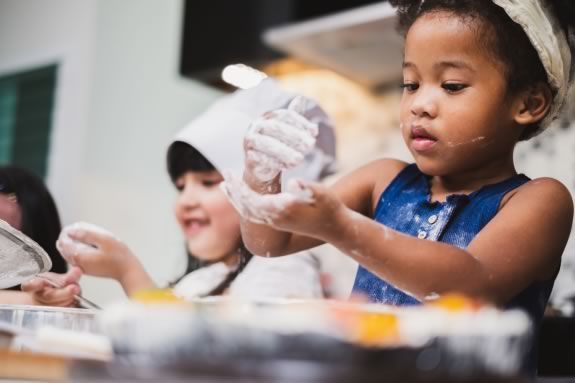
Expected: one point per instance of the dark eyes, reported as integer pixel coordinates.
(449, 87)
(410, 87)
(453, 87)
(210, 183)
(205, 183)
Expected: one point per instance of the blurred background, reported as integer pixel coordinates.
(92, 91)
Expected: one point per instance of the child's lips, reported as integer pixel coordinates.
(422, 144)
(421, 139)
(193, 226)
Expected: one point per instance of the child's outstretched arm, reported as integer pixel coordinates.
(277, 223)
(522, 244)
(98, 253)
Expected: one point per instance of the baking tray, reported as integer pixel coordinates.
(32, 317)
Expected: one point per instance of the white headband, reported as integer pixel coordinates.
(550, 42)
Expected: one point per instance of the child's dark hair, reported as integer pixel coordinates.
(40, 219)
(182, 158)
(504, 39)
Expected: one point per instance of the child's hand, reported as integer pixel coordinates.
(305, 208)
(45, 294)
(279, 140)
(96, 251)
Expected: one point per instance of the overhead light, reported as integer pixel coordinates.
(242, 76)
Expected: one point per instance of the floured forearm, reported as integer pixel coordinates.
(421, 268)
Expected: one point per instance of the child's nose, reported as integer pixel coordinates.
(189, 197)
(424, 105)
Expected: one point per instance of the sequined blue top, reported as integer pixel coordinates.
(406, 206)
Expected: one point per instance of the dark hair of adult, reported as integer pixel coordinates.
(40, 219)
(182, 158)
(497, 33)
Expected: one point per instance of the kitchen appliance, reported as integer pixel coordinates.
(219, 33)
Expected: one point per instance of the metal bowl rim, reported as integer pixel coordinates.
(64, 310)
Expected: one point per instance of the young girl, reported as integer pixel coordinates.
(27, 205)
(479, 76)
(218, 262)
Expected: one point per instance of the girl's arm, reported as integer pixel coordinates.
(355, 191)
(102, 255)
(523, 243)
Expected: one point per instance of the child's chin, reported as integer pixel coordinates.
(430, 167)
(203, 254)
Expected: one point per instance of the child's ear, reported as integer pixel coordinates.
(533, 104)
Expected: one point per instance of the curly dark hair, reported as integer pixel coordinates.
(502, 38)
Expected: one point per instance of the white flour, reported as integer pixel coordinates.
(280, 140)
(263, 208)
(454, 144)
(77, 246)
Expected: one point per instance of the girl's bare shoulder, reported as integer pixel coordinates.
(389, 165)
(539, 214)
(546, 195)
(387, 169)
(545, 190)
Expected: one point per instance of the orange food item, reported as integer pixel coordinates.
(377, 329)
(364, 326)
(156, 296)
(457, 302)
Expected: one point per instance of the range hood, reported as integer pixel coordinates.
(362, 44)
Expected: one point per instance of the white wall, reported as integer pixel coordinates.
(34, 33)
(119, 100)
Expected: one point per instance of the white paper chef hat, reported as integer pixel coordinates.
(218, 132)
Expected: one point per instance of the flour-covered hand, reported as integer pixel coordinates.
(95, 250)
(304, 208)
(279, 140)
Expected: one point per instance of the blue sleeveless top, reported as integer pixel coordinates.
(406, 206)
